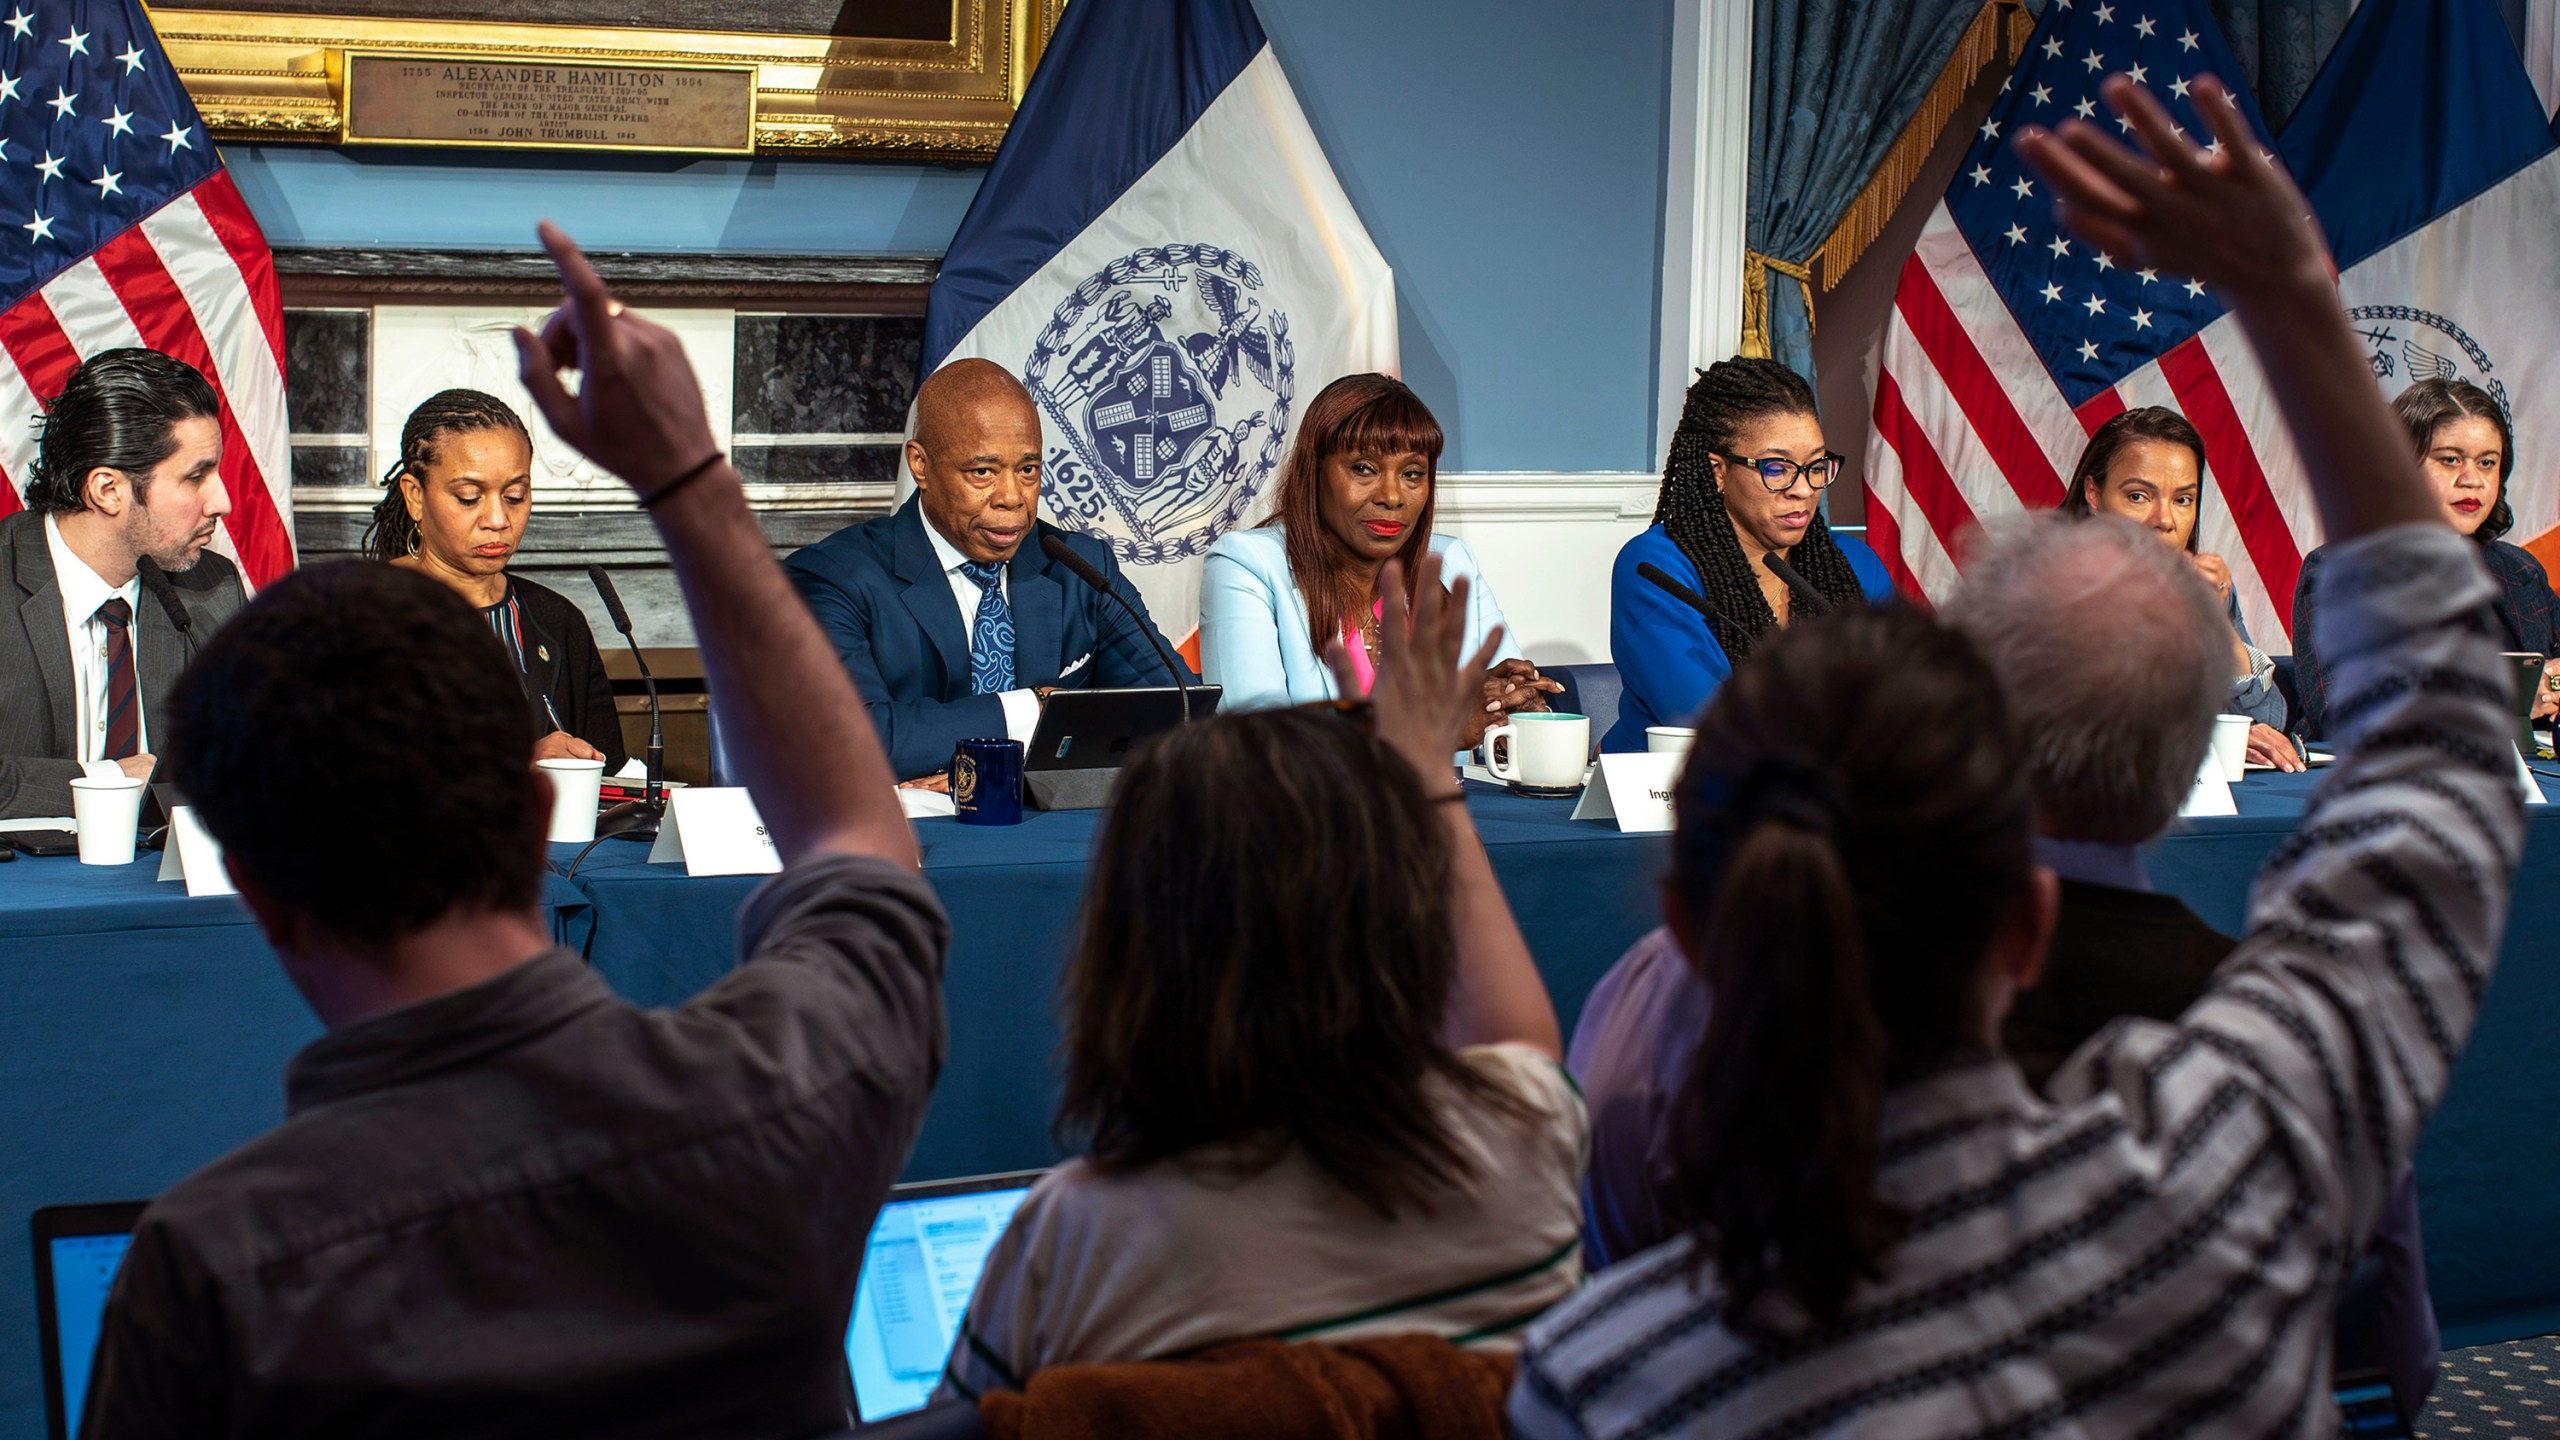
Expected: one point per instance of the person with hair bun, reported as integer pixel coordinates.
(2147, 465)
(2467, 444)
(1744, 481)
(1359, 490)
(1884, 1230)
(454, 510)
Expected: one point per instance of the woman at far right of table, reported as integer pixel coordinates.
(2467, 446)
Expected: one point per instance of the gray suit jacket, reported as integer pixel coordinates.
(37, 701)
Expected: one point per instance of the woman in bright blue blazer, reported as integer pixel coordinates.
(1747, 469)
(1357, 491)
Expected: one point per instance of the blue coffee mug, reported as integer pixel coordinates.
(986, 782)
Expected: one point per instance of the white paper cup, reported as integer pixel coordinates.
(106, 813)
(1668, 739)
(575, 785)
(2231, 745)
(1538, 749)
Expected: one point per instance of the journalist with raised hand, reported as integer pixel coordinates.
(505, 1201)
(1884, 1230)
(952, 619)
(128, 472)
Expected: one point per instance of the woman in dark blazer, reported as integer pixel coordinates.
(455, 510)
(2467, 446)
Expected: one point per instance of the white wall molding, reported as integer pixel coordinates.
(1494, 497)
(1546, 541)
(1706, 158)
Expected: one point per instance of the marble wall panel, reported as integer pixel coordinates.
(826, 374)
(327, 371)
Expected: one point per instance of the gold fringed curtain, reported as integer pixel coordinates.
(1755, 298)
(1998, 33)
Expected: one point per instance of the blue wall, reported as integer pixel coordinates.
(1507, 155)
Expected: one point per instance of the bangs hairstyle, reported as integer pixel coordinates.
(1366, 414)
(2430, 403)
(1265, 963)
(2145, 422)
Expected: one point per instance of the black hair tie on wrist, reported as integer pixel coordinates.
(650, 500)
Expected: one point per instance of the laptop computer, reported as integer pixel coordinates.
(1085, 736)
(918, 1273)
(78, 1248)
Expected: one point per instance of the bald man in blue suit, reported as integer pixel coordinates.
(953, 622)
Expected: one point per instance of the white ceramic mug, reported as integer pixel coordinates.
(2231, 745)
(1541, 749)
(1668, 739)
(106, 813)
(576, 785)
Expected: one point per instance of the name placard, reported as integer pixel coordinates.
(542, 104)
(190, 853)
(1632, 789)
(714, 831)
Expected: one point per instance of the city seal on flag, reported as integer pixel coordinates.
(1169, 374)
(2401, 350)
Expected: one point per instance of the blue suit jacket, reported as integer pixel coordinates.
(881, 596)
(1668, 660)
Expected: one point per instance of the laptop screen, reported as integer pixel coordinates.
(918, 1273)
(84, 1267)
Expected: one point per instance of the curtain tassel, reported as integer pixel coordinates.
(1755, 298)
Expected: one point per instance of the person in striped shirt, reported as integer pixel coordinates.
(1318, 1068)
(1888, 1232)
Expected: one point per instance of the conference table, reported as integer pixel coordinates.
(143, 1033)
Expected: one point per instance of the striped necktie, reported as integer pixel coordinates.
(991, 637)
(124, 702)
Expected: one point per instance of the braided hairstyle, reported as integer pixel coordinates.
(1725, 397)
(394, 533)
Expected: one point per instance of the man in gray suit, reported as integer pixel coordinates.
(128, 472)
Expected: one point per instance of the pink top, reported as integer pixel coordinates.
(1361, 668)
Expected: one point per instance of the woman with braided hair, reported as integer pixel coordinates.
(454, 510)
(1744, 483)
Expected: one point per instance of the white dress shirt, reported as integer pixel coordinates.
(1021, 707)
(82, 593)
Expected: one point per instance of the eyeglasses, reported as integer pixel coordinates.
(1780, 474)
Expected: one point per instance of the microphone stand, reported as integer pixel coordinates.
(635, 819)
(1053, 544)
(1810, 598)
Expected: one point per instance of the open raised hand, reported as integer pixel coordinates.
(1424, 697)
(2225, 214)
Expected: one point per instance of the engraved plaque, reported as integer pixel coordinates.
(543, 104)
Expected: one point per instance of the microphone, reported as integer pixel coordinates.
(156, 580)
(1676, 590)
(1810, 598)
(1053, 543)
(635, 819)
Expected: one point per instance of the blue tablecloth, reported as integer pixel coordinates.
(142, 1033)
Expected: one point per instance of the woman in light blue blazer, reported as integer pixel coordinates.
(1357, 492)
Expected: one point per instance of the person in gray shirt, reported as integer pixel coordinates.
(506, 1202)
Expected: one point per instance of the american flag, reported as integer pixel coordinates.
(119, 227)
(2011, 339)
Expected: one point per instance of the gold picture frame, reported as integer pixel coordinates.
(267, 76)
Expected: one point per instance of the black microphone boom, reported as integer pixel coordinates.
(1053, 543)
(635, 819)
(1676, 590)
(1810, 598)
(156, 580)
